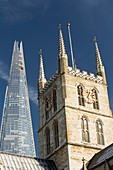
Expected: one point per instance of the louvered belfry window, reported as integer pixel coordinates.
(54, 100)
(48, 141)
(46, 108)
(56, 134)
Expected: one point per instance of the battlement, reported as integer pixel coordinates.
(76, 73)
(49, 83)
(85, 75)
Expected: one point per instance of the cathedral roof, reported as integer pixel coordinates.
(101, 157)
(17, 162)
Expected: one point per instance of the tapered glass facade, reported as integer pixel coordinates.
(16, 126)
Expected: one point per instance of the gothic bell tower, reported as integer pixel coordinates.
(74, 112)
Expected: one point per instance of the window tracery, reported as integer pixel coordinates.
(80, 95)
(95, 103)
(99, 131)
(85, 129)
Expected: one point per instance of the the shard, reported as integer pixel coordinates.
(16, 126)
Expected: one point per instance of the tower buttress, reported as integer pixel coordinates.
(42, 79)
(99, 66)
(62, 56)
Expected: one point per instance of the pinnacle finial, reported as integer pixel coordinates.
(41, 71)
(95, 39)
(40, 51)
(84, 165)
(62, 50)
(68, 24)
(83, 160)
(99, 64)
(59, 26)
(62, 56)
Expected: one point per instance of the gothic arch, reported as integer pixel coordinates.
(95, 89)
(99, 120)
(99, 132)
(96, 101)
(81, 100)
(78, 83)
(85, 129)
(85, 117)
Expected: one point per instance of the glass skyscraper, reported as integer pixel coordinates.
(16, 126)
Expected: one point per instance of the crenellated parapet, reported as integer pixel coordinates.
(85, 75)
(49, 83)
(76, 73)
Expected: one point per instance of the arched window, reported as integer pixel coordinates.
(48, 141)
(47, 108)
(85, 129)
(80, 95)
(56, 134)
(95, 103)
(99, 131)
(54, 100)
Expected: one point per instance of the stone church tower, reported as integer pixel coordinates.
(75, 119)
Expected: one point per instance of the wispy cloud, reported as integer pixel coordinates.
(14, 11)
(4, 75)
(93, 2)
(33, 95)
(3, 71)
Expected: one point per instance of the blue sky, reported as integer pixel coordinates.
(35, 22)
